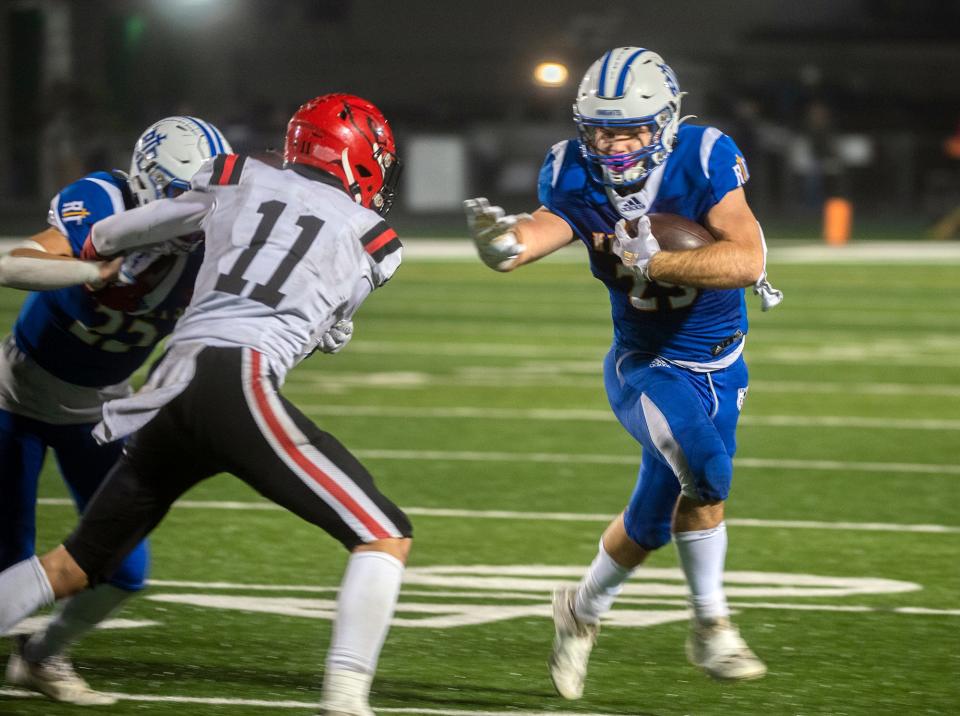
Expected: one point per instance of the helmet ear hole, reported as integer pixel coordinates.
(363, 171)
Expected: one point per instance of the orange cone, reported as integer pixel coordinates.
(837, 221)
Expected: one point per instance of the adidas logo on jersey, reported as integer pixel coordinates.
(631, 207)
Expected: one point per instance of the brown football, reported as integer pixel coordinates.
(676, 233)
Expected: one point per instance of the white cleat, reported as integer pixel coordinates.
(53, 677)
(572, 644)
(345, 693)
(718, 649)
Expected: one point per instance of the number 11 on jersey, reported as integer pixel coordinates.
(269, 293)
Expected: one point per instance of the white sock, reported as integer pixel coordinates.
(368, 596)
(74, 618)
(702, 554)
(599, 587)
(24, 588)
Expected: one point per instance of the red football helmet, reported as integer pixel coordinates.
(348, 137)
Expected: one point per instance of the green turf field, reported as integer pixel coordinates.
(476, 399)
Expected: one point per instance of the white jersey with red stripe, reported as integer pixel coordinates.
(288, 254)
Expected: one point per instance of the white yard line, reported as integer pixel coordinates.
(264, 703)
(471, 378)
(900, 354)
(565, 516)
(595, 459)
(940, 390)
(897, 252)
(605, 416)
(459, 247)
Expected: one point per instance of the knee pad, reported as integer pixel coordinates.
(714, 478)
(647, 531)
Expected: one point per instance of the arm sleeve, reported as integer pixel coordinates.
(550, 173)
(81, 204)
(157, 221)
(382, 247)
(361, 290)
(40, 274)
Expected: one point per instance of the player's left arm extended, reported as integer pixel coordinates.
(734, 260)
(154, 223)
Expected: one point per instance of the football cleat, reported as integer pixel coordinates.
(53, 677)
(345, 693)
(718, 649)
(572, 644)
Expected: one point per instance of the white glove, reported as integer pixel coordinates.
(337, 336)
(770, 297)
(635, 251)
(493, 233)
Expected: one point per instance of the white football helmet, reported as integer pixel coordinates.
(169, 153)
(629, 87)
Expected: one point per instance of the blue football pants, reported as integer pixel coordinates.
(686, 423)
(83, 463)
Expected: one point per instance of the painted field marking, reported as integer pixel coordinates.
(312, 705)
(492, 593)
(561, 516)
(904, 354)
(785, 250)
(596, 459)
(480, 377)
(606, 416)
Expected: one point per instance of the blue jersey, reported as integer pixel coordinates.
(68, 332)
(697, 326)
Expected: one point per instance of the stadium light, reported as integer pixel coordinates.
(550, 74)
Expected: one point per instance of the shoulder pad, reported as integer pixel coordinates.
(221, 170)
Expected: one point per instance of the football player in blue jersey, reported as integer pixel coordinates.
(72, 348)
(674, 376)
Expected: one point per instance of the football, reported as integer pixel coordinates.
(152, 285)
(676, 233)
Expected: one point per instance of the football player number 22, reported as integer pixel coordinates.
(269, 293)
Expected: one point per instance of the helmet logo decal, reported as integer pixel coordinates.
(670, 78)
(151, 140)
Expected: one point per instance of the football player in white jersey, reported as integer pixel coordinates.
(675, 375)
(290, 255)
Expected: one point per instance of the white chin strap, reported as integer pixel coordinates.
(352, 185)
